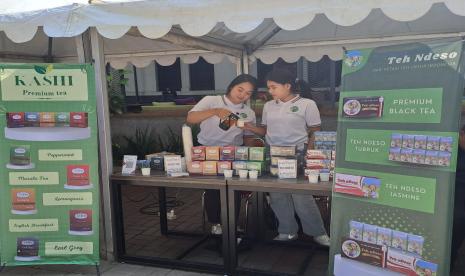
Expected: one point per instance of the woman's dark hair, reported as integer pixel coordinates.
(281, 76)
(241, 79)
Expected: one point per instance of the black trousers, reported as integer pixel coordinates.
(213, 205)
(458, 230)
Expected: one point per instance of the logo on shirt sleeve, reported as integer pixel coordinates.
(243, 115)
(294, 108)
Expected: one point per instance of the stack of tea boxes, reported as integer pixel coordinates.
(323, 156)
(213, 160)
(283, 157)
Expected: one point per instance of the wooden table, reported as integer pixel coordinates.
(161, 181)
(265, 184)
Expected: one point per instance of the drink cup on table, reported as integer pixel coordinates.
(313, 178)
(243, 173)
(228, 173)
(253, 174)
(324, 176)
(145, 171)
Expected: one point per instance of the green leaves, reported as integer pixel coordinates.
(40, 69)
(144, 141)
(116, 99)
(43, 69)
(147, 140)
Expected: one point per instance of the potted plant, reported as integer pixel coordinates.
(116, 81)
(145, 167)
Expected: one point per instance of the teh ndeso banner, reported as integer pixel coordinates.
(399, 113)
(49, 201)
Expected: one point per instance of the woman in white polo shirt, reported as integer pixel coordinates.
(209, 112)
(290, 120)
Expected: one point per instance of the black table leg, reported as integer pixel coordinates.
(252, 221)
(226, 227)
(232, 231)
(261, 216)
(97, 269)
(162, 210)
(119, 237)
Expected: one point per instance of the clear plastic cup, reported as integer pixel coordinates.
(324, 176)
(243, 173)
(228, 173)
(313, 178)
(240, 123)
(145, 171)
(253, 174)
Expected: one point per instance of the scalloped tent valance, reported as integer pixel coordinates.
(155, 18)
(137, 31)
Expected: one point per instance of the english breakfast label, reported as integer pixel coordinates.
(33, 225)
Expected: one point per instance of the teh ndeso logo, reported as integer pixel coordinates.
(353, 58)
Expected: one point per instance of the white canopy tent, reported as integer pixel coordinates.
(139, 32)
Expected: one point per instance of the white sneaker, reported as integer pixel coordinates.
(216, 229)
(285, 237)
(322, 240)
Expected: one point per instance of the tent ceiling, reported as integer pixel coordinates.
(323, 37)
(155, 18)
(139, 32)
(141, 51)
(37, 48)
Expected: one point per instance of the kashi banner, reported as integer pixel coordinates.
(50, 160)
(397, 147)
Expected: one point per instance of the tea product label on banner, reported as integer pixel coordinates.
(363, 107)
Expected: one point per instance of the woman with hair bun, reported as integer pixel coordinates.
(291, 120)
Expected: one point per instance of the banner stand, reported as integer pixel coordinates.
(49, 191)
(397, 144)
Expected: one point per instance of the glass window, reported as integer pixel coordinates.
(202, 75)
(169, 77)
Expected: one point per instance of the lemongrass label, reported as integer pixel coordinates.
(51, 199)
